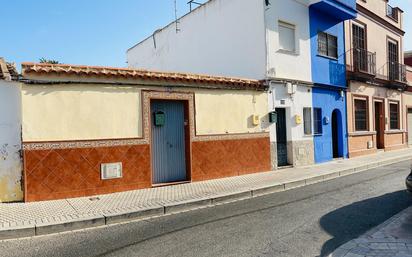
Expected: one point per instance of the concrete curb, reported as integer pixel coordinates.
(116, 217)
(87, 222)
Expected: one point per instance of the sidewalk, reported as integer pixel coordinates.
(393, 238)
(39, 218)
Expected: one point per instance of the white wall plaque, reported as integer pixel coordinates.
(111, 170)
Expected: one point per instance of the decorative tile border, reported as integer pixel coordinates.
(83, 144)
(222, 137)
(147, 96)
(165, 95)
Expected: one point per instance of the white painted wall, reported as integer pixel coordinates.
(223, 37)
(294, 106)
(231, 38)
(10, 142)
(287, 65)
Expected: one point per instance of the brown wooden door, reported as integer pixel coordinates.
(379, 125)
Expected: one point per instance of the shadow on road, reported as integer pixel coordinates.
(353, 220)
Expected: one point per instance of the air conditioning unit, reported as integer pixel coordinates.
(291, 88)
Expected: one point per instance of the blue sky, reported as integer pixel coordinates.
(94, 32)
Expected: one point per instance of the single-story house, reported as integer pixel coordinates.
(97, 130)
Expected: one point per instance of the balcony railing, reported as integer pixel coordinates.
(361, 62)
(396, 72)
(364, 61)
(392, 12)
(361, 66)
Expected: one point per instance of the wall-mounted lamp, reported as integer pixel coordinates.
(342, 95)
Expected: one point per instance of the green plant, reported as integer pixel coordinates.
(44, 60)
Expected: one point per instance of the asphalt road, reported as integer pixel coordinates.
(309, 221)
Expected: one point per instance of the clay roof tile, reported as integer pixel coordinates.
(45, 68)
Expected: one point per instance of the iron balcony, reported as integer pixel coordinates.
(362, 64)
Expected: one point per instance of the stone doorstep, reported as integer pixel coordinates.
(136, 214)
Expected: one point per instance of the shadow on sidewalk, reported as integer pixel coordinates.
(353, 220)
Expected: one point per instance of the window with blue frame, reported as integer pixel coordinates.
(317, 121)
(327, 45)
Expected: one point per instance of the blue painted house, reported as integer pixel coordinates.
(329, 76)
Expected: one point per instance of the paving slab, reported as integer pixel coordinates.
(390, 239)
(21, 219)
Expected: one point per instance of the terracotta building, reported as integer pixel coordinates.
(97, 130)
(407, 100)
(376, 77)
(408, 58)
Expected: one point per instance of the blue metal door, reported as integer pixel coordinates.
(168, 141)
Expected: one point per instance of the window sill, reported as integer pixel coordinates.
(328, 57)
(362, 133)
(283, 51)
(394, 131)
(318, 135)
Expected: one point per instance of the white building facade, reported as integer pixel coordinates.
(257, 39)
(10, 135)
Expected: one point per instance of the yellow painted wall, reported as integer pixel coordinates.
(80, 112)
(221, 112)
(87, 112)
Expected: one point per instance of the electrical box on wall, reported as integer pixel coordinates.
(273, 117)
(255, 120)
(159, 119)
(111, 170)
(298, 119)
(291, 88)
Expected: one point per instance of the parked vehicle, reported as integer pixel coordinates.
(409, 182)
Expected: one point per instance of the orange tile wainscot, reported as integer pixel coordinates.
(75, 172)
